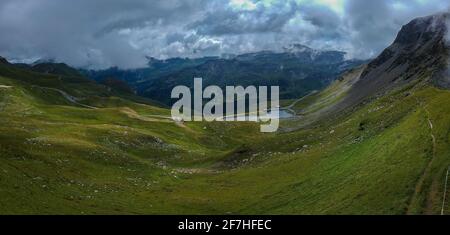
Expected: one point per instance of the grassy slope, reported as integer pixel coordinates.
(57, 157)
(370, 170)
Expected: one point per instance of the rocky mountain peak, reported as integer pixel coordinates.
(423, 29)
(420, 46)
(420, 52)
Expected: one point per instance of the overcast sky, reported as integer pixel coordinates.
(104, 33)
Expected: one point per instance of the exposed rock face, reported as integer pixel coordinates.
(420, 51)
(3, 60)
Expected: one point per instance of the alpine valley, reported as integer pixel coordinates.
(365, 137)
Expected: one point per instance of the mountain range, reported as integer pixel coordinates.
(298, 70)
(374, 138)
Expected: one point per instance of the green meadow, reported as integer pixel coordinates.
(71, 146)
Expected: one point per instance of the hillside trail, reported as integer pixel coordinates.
(129, 112)
(444, 197)
(147, 118)
(4, 86)
(420, 183)
(70, 98)
(290, 107)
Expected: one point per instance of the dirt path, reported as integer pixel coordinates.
(150, 118)
(4, 86)
(434, 188)
(291, 106)
(71, 99)
(445, 193)
(426, 172)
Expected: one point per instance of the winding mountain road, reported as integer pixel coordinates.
(291, 106)
(70, 98)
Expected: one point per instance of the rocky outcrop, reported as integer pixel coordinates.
(420, 51)
(3, 60)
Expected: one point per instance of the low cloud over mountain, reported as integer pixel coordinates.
(104, 33)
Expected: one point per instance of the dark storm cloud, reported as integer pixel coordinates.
(262, 19)
(327, 24)
(320, 16)
(104, 33)
(84, 32)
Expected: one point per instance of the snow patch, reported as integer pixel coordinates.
(299, 49)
